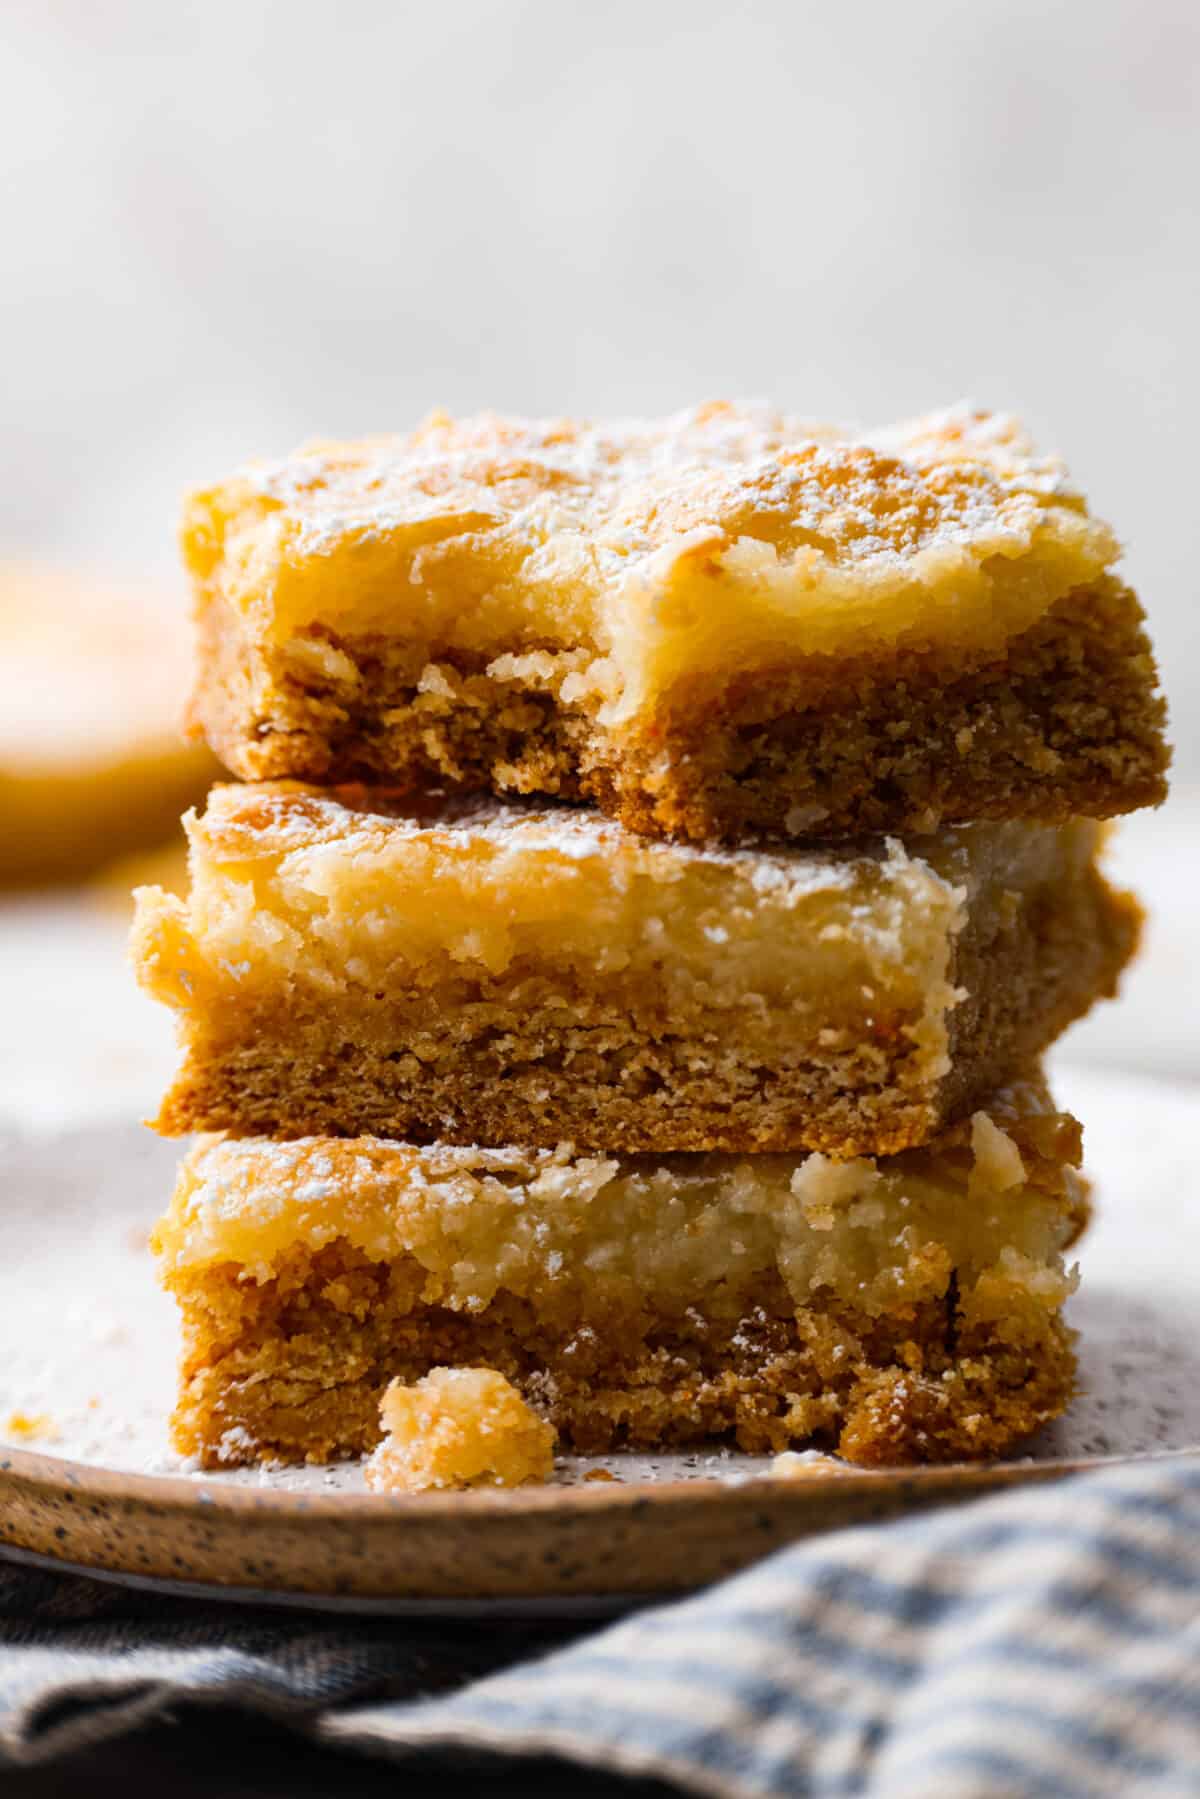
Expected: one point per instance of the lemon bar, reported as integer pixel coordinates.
(723, 623)
(900, 1309)
(93, 763)
(476, 971)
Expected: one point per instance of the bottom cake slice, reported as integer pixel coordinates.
(898, 1309)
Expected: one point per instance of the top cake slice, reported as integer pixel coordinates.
(726, 622)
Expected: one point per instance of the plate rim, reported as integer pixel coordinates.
(182, 1492)
(539, 1550)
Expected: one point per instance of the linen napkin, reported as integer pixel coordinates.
(1042, 1641)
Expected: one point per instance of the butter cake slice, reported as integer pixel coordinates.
(723, 623)
(905, 1309)
(351, 963)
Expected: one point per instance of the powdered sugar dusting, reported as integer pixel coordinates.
(954, 477)
(283, 819)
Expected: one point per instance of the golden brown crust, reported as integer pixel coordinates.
(1065, 719)
(294, 1368)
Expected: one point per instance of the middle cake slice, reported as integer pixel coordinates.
(352, 963)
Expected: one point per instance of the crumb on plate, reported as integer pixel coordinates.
(30, 1427)
(458, 1427)
(807, 1464)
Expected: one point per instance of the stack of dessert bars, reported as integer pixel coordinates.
(661, 854)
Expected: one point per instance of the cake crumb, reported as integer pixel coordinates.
(30, 1427)
(808, 1464)
(601, 1474)
(458, 1427)
(997, 1160)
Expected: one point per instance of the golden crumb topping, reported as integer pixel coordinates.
(458, 1427)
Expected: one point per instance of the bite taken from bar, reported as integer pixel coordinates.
(724, 623)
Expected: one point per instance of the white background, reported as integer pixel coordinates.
(226, 227)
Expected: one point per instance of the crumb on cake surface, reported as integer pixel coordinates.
(458, 1427)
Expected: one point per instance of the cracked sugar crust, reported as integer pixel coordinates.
(356, 964)
(597, 506)
(903, 1308)
(681, 620)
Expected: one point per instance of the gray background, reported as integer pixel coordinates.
(227, 227)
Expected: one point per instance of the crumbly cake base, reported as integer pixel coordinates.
(293, 1368)
(1067, 719)
(511, 1070)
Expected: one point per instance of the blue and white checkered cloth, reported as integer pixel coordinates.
(1045, 1641)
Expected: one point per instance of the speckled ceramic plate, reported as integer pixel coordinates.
(86, 1370)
